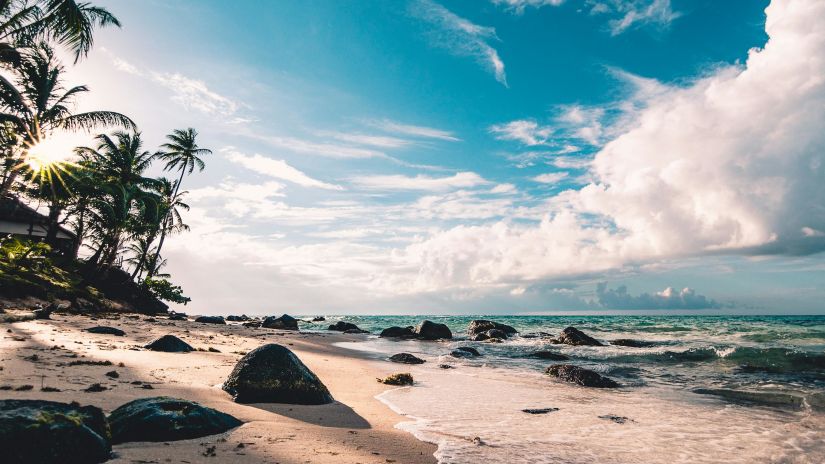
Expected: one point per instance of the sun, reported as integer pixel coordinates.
(46, 153)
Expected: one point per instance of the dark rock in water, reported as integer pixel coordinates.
(480, 326)
(173, 316)
(494, 340)
(342, 326)
(551, 355)
(574, 336)
(465, 352)
(629, 342)
(106, 330)
(210, 320)
(285, 322)
(492, 333)
(775, 399)
(540, 410)
(581, 376)
(170, 344)
(428, 330)
(319, 319)
(166, 419)
(615, 418)
(398, 332)
(273, 374)
(356, 331)
(537, 335)
(406, 358)
(397, 379)
(33, 431)
(241, 318)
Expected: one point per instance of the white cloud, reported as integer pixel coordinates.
(278, 169)
(331, 150)
(669, 298)
(420, 182)
(504, 189)
(381, 141)
(415, 131)
(526, 131)
(462, 37)
(550, 177)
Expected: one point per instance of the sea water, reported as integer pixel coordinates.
(474, 411)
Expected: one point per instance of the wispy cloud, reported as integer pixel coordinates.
(328, 149)
(415, 131)
(420, 182)
(381, 141)
(550, 177)
(462, 37)
(278, 169)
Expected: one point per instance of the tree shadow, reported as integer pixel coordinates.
(335, 414)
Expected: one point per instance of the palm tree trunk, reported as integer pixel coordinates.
(53, 226)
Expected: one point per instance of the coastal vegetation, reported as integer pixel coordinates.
(103, 215)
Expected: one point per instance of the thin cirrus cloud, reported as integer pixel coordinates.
(419, 182)
(278, 169)
(461, 37)
(413, 130)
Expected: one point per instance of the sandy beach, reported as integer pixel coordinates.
(357, 428)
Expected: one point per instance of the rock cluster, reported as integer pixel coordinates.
(285, 322)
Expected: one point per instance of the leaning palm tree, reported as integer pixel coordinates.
(163, 218)
(37, 104)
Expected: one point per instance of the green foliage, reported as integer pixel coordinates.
(164, 290)
(16, 254)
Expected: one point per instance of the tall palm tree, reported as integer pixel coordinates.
(37, 104)
(181, 153)
(164, 218)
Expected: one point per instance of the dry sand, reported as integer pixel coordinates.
(357, 428)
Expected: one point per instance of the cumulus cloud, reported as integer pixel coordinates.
(278, 169)
(420, 182)
(730, 163)
(669, 298)
(462, 37)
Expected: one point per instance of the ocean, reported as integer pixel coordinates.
(707, 389)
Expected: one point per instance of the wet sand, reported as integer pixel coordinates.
(357, 428)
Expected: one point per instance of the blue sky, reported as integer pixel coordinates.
(485, 156)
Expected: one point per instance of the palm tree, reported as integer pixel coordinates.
(38, 104)
(181, 153)
(164, 218)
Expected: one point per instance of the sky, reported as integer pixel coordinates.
(487, 156)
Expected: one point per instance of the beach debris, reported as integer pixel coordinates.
(629, 342)
(36, 431)
(446, 366)
(428, 330)
(581, 376)
(406, 358)
(23, 388)
(575, 337)
(616, 419)
(342, 326)
(397, 379)
(482, 326)
(540, 410)
(285, 322)
(273, 374)
(170, 344)
(166, 419)
(551, 355)
(210, 320)
(99, 329)
(465, 352)
(95, 388)
(83, 362)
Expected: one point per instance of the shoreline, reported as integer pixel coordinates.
(357, 427)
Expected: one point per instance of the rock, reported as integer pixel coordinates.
(465, 352)
(241, 318)
(170, 344)
(492, 333)
(631, 343)
(356, 331)
(173, 316)
(252, 324)
(574, 336)
(427, 330)
(106, 330)
(285, 322)
(445, 366)
(319, 319)
(95, 388)
(480, 325)
(398, 332)
(615, 418)
(581, 376)
(34, 431)
(540, 410)
(210, 320)
(397, 379)
(112, 374)
(551, 355)
(273, 374)
(45, 313)
(166, 419)
(406, 358)
(342, 326)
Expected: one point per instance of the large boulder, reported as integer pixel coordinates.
(574, 336)
(273, 374)
(428, 330)
(210, 320)
(285, 322)
(170, 344)
(398, 332)
(166, 419)
(479, 326)
(342, 326)
(103, 330)
(406, 358)
(44, 432)
(581, 376)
